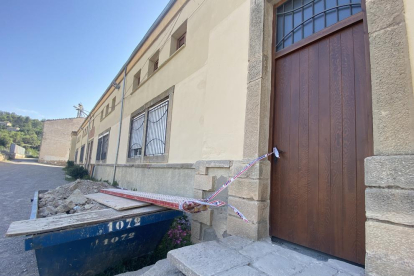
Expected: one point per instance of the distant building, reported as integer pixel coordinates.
(17, 152)
(13, 128)
(7, 124)
(56, 141)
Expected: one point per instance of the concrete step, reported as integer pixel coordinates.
(208, 258)
(163, 268)
(234, 256)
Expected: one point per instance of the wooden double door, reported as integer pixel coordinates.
(323, 127)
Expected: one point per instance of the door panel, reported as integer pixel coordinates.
(323, 127)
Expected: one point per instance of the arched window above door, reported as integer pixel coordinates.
(298, 19)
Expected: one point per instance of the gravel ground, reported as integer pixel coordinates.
(18, 182)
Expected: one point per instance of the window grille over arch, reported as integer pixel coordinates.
(137, 136)
(157, 129)
(298, 19)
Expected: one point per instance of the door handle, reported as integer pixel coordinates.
(276, 154)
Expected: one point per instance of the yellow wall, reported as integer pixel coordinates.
(210, 79)
(409, 21)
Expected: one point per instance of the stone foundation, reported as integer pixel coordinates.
(169, 179)
(390, 218)
(249, 193)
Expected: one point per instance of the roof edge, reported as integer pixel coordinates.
(147, 34)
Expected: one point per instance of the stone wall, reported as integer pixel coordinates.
(390, 215)
(209, 176)
(389, 175)
(249, 194)
(56, 141)
(168, 179)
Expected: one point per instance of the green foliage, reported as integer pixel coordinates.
(115, 183)
(70, 164)
(29, 136)
(178, 236)
(32, 153)
(77, 172)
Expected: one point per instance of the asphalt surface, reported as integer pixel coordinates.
(18, 182)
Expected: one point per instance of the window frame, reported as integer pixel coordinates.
(103, 134)
(133, 118)
(162, 158)
(113, 104)
(137, 81)
(76, 156)
(156, 65)
(82, 154)
(183, 37)
(153, 63)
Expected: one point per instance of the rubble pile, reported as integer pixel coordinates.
(70, 198)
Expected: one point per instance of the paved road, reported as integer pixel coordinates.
(18, 182)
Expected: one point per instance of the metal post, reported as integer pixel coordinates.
(120, 125)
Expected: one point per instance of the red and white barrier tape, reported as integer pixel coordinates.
(189, 205)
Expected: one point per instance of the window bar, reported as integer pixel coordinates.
(293, 24)
(296, 9)
(313, 19)
(315, 15)
(324, 14)
(303, 18)
(337, 11)
(283, 37)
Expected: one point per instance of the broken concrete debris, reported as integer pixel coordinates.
(70, 198)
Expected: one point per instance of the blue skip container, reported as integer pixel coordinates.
(93, 248)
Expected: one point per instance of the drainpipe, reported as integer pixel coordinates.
(120, 125)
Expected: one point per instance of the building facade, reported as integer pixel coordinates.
(215, 84)
(56, 142)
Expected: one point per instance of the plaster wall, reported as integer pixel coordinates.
(209, 74)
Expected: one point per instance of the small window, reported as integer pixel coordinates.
(136, 136)
(178, 38)
(102, 115)
(156, 129)
(107, 110)
(113, 104)
(181, 41)
(153, 63)
(102, 150)
(137, 80)
(76, 156)
(82, 152)
(156, 65)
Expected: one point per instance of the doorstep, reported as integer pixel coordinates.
(238, 256)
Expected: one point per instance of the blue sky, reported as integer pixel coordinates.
(55, 53)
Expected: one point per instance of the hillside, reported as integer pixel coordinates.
(29, 136)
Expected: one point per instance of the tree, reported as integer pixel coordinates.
(5, 139)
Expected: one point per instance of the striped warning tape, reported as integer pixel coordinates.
(189, 205)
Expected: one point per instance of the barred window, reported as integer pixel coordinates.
(81, 154)
(102, 150)
(156, 129)
(76, 156)
(297, 19)
(137, 136)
